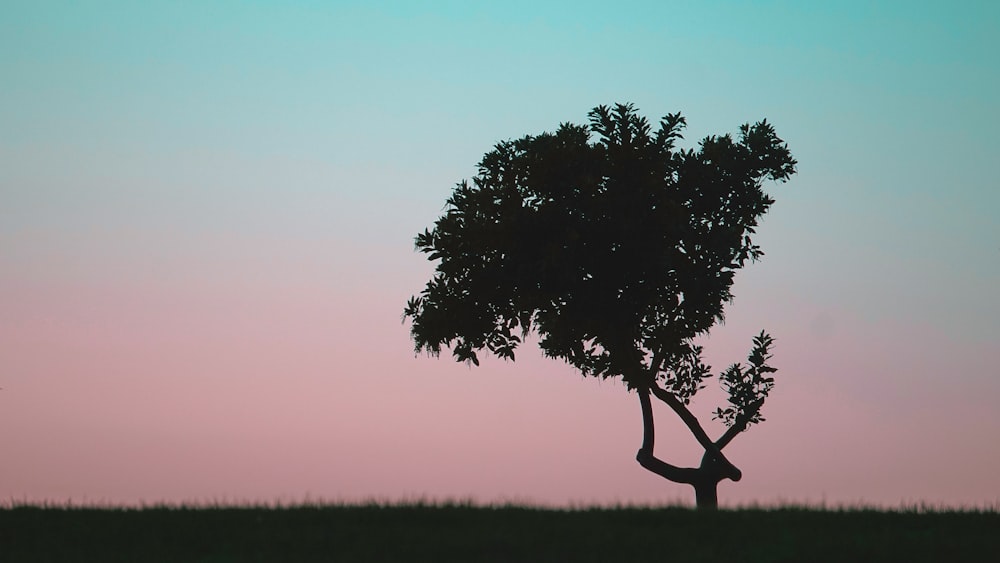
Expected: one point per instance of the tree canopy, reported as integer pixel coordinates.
(617, 250)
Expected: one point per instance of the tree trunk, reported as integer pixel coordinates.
(705, 479)
(706, 494)
(706, 486)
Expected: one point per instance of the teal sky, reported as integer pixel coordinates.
(223, 195)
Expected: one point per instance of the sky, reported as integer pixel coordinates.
(207, 213)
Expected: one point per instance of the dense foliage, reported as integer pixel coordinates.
(617, 248)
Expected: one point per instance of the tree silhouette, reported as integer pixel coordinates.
(617, 250)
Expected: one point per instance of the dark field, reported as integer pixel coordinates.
(469, 533)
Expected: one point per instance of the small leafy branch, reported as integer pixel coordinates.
(748, 387)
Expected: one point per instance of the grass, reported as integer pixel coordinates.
(464, 532)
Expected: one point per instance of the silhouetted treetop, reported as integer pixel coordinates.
(611, 244)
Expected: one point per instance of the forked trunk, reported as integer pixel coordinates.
(705, 478)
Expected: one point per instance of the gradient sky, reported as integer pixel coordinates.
(206, 222)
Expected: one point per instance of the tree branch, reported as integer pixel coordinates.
(645, 457)
(728, 469)
(740, 425)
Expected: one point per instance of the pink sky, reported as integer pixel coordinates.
(277, 389)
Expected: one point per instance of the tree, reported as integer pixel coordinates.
(618, 252)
